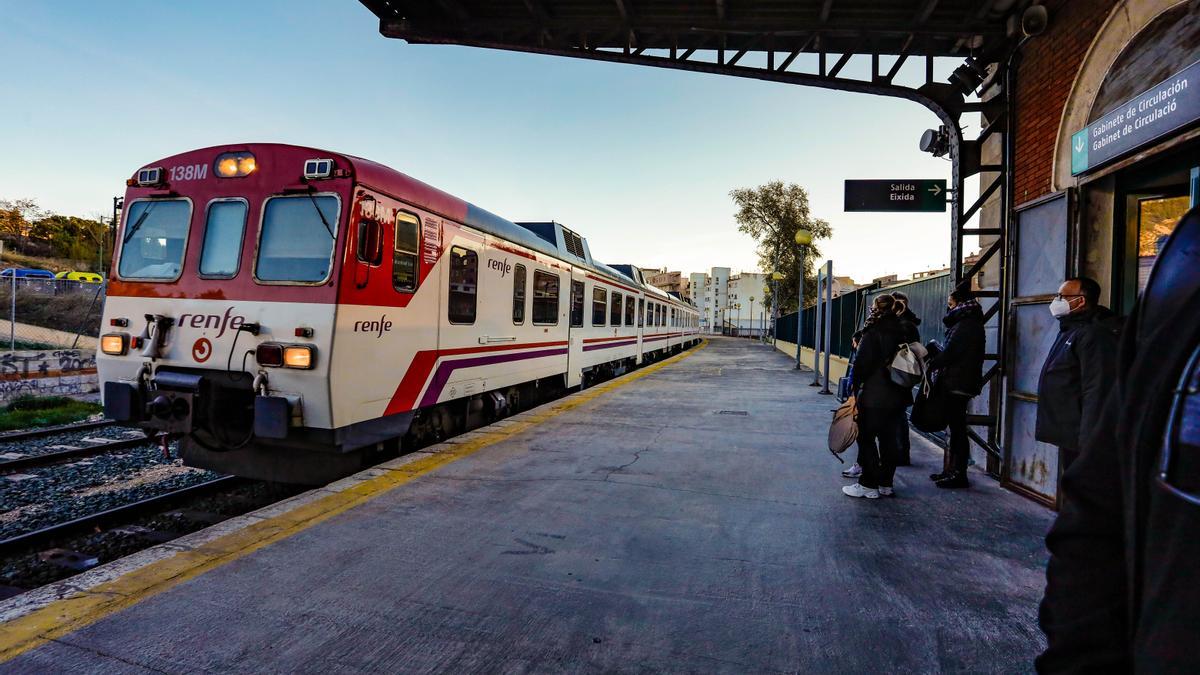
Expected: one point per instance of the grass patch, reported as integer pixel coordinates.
(43, 411)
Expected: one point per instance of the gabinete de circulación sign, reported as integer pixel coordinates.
(901, 194)
(1161, 109)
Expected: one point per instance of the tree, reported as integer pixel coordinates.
(17, 217)
(772, 214)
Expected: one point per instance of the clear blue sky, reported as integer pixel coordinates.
(638, 160)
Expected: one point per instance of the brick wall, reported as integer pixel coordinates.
(1046, 73)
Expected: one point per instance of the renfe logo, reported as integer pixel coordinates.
(221, 322)
(378, 326)
(503, 266)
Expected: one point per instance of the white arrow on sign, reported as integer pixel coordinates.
(1079, 144)
(936, 190)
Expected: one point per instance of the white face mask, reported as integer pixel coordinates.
(1060, 307)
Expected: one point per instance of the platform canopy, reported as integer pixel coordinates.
(730, 28)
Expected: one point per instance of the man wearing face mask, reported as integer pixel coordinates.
(1079, 370)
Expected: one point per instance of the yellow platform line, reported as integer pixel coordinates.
(66, 615)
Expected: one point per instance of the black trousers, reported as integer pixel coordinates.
(877, 445)
(903, 444)
(960, 445)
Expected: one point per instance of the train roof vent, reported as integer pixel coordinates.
(574, 244)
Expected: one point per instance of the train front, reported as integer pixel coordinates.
(221, 306)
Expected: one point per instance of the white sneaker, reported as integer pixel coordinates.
(886, 492)
(853, 472)
(857, 490)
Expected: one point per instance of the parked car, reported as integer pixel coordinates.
(26, 273)
(85, 277)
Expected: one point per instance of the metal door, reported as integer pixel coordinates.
(1041, 243)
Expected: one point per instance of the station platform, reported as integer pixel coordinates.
(685, 517)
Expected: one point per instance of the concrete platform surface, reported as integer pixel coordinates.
(689, 520)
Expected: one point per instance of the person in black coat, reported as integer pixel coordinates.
(878, 399)
(1079, 370)
(1121, 592)
(958, 372)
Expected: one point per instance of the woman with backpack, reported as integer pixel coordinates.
(957, 373)
(879, 400)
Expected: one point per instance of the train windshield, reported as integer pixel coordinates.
(155, 234)
(298, 233)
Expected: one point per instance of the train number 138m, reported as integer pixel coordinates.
(189, 172)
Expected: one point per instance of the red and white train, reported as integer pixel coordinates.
(291, 312)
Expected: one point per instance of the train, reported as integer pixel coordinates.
(292, 314)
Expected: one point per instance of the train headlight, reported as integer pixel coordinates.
(269, 354)
(275, 355)
(114, 344)
(298, 356)
(235, 164)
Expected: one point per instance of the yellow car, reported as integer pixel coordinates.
(85, 277)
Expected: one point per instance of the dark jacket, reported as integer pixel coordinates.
(910, 323)
(1078, 373)
(959, 366)
(1121, 591)
(870, 379)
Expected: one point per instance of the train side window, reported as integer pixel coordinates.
(599, 305)
(614, 313)
(641, 310)
(576, 304)
(464, 279)
(370, 242)
(405, 252)
(224, 228)
(630, 309)
(545, 298)
(649, 314)
(519, 294)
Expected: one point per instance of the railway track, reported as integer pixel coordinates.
(48, 458)
(27, 434)
(124, 513)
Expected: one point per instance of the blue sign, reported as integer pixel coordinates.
(1165, 107)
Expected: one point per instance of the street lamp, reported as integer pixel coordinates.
(751, 316)
(738, 308)
(775, 277)
(803, 239)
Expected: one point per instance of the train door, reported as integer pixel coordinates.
(388, 303)
(578, 303)
(641, 326)
(464, 324)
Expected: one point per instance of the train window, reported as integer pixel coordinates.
(370, 242)
(630, 309)
(673, 324)
(576, 304)
(599, 305)
(545, 298)
(154, 239)
(404, 252)
(649, 313)
(464, 278)
(614, 312)
(519, 294)
(223, 230)
(296, 240)
(641, 310)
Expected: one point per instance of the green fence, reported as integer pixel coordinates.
(926, 298)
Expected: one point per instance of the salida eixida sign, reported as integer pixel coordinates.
(1165, 107)
(901, 194)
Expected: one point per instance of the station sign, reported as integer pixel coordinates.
(902, 194)
(1161, 109)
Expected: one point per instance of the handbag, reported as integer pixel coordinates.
(929, 410)
(908, 365)
(843, 430)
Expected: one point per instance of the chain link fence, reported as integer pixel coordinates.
(49, 314)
